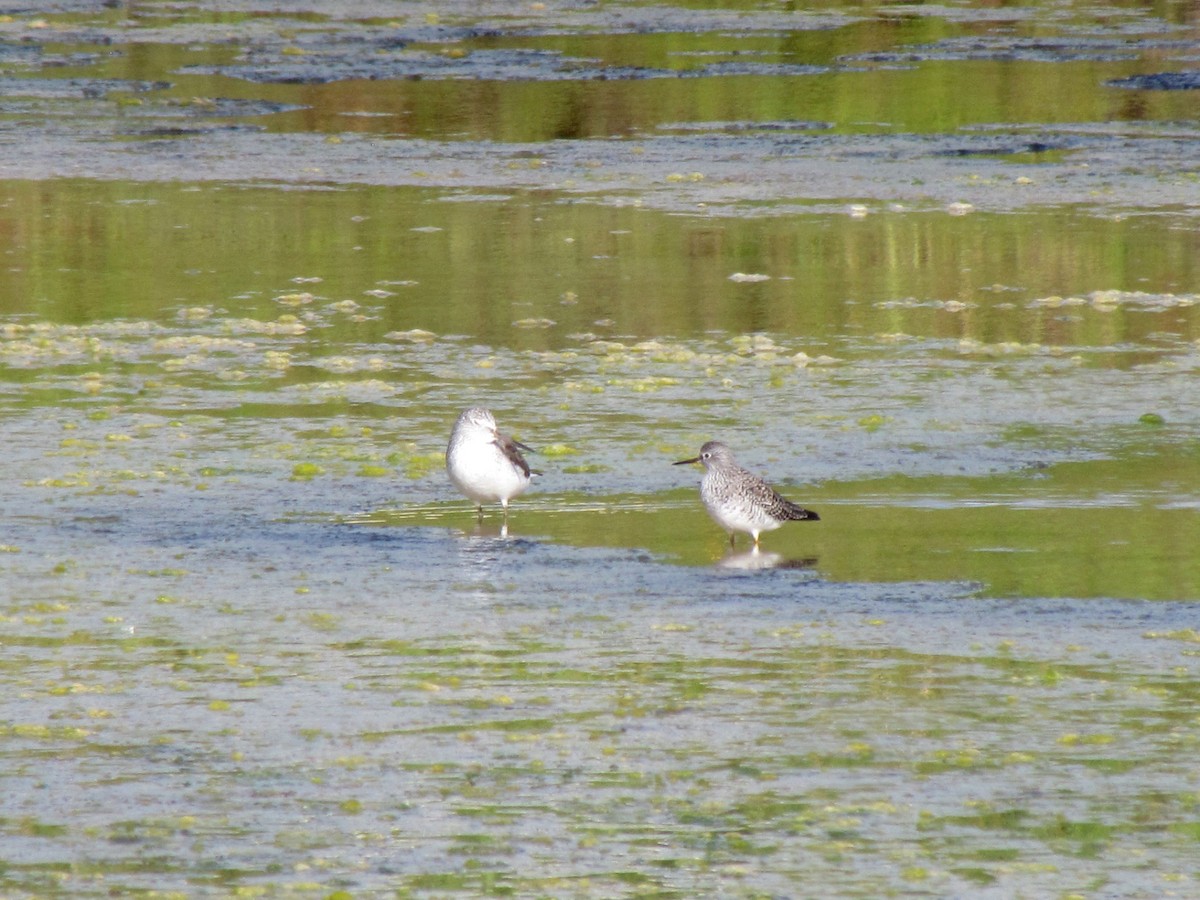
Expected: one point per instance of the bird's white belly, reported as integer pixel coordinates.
(483, 473)
(734, 514)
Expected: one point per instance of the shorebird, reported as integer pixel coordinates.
(738, 500)
(485, 464)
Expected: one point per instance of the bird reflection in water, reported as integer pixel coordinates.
(755, 558)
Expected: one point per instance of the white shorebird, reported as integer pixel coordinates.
(485, 464)
(738, 500)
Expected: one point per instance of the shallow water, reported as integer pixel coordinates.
(255, 645)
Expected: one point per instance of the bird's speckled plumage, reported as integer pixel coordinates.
(738, 500)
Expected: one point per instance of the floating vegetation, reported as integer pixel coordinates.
(1112, 299)
(302, 298)
(414, 335)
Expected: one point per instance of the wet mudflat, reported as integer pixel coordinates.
(932, 271)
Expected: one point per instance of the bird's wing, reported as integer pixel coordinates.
(778, 506)
(512, 451)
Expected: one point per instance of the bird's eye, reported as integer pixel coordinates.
(706, 456)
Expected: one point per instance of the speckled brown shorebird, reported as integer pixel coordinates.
(738, 500)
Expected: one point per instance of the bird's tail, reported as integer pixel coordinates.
(797, 513)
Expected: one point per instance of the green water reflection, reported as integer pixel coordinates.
(1119, 528)
(451, 263)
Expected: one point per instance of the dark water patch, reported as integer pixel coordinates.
(746, 126)
(414, 65)
(510, 66)
(216, 107)
(1022, 49)
(792, 172)
(160, 132)
(1034, 148)
(733, 69)
(1160, 81)
(14, 54)
(75, 88)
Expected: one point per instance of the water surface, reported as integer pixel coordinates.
(931, 270)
